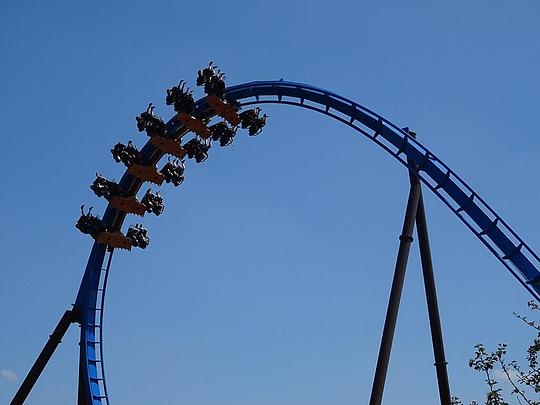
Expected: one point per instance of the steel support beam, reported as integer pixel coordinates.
(432, 304)
(395, 294)
(431, 293)
(54, 340)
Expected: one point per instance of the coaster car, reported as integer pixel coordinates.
(216, 86)
(248, 117)
(147, 121)
(181, 98)
(137, 235)
(105, 188)
(90, 224)
(222, 133)
(95, 227)
(252, 121)
(213, 80)
(153, 202)
(205, 74)
(197, 148)
(173, 172)
(127, 154)
(258, 124)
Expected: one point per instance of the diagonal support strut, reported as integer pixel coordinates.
(415, 212)
(37, 368)
(405, 241)
(432, 304)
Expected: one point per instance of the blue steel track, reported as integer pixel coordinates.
(462, 200)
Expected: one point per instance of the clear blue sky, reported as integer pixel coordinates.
(267, 276)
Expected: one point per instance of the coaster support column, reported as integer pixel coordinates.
(395, 294)
(432, 304)
(37, 368)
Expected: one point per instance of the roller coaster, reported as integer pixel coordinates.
(226, 104)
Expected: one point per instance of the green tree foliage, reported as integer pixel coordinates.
(523, 380)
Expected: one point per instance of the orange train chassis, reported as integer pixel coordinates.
(224, 110)
(194, 124)
(115, 240)
(169, 146)
(146, 173)
(128, 205)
